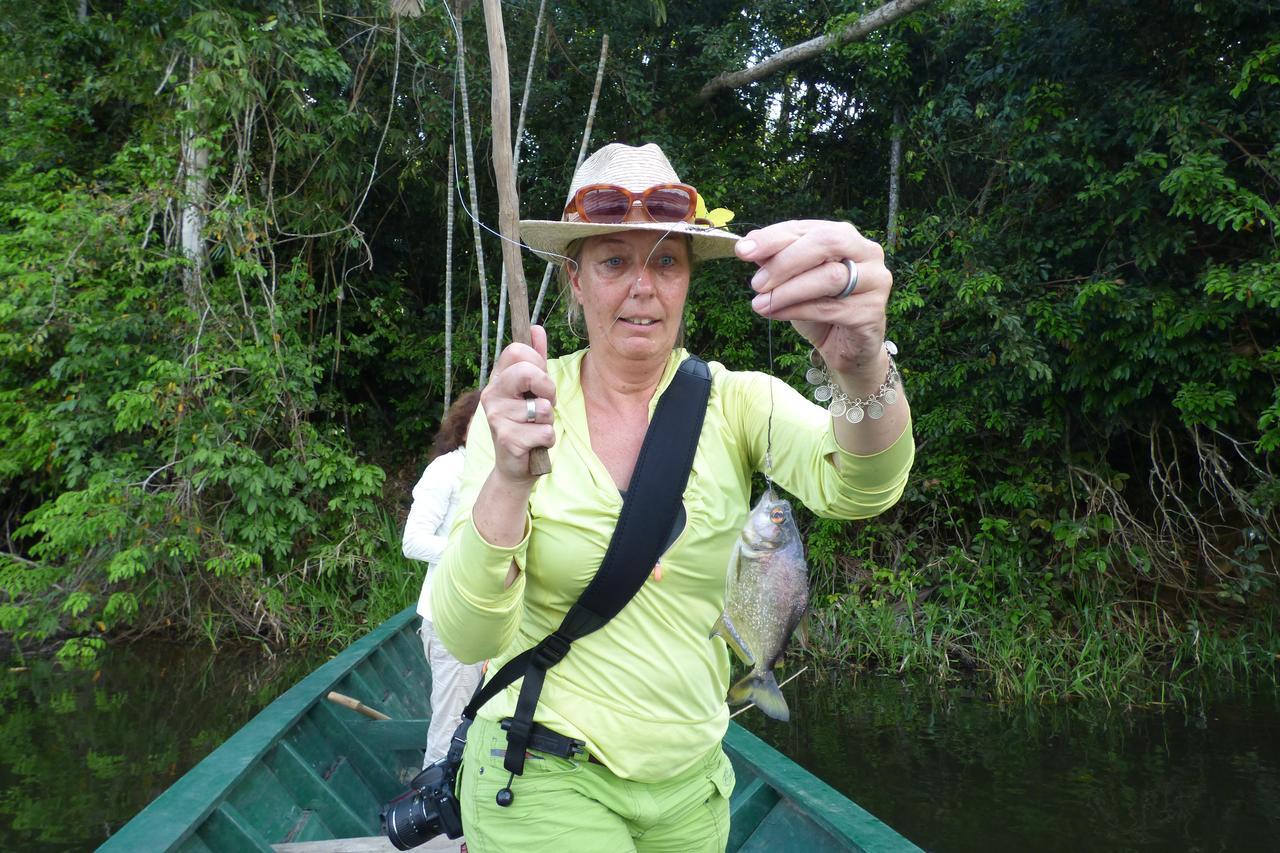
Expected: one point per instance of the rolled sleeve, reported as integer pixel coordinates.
(869, 484)
(474, 612)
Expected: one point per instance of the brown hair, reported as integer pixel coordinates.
(453, 426)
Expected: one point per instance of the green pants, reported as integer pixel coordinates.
(565, 805)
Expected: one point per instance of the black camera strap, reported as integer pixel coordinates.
(649, 509)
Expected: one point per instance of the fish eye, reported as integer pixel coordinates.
(776, 515)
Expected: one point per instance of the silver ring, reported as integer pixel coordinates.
(530, 409)
(853, 279)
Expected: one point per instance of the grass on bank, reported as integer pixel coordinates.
(1022, 641)
(1035, 648)
(338, 614)
(1127, 653)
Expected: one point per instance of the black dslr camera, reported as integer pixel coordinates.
(430, 806)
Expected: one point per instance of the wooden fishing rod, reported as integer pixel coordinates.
(508, 197)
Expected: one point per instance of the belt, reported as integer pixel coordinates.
(543, 739)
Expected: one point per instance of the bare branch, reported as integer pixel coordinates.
(867, 24)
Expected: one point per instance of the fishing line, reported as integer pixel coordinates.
(768, 430)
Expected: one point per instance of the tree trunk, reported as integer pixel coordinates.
(195, 187)
(895, 172)
(475, 210)
(448, 289)
(868, 23)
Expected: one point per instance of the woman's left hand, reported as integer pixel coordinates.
(802, 271)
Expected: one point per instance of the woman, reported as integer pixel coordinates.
(426, 532)
(645, 695)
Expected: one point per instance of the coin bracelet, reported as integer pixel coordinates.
(853, 409)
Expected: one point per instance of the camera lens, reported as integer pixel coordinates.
(409, 823)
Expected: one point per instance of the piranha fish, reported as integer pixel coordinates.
(766, 595)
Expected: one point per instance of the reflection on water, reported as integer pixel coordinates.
(953, 772)
(82, 751)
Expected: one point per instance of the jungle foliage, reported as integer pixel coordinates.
(1087, 284)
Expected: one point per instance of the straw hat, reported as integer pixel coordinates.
(636, 169)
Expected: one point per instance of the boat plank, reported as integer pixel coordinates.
(317, 793)
(194, 844)
(393, 681)
(785, 828)
(309, 740)
(406, 670)
(410, 671)
(374, 671)
(370, 844)
(227, 829)
(368, 687)
(392, 735)
(373, 768)
(265, 803)
(336, 772)
(417, 672)
(751, 802)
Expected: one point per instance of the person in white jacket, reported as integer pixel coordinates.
(426, 531)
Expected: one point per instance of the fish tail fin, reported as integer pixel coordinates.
(762, 689)
(724, 628)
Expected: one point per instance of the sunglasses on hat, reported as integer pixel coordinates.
(609, 204)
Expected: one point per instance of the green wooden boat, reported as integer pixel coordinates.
(305, 770)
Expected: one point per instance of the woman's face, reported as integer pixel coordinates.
(632, 287)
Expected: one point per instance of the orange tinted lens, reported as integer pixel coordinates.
(604, 204)
(669, 204)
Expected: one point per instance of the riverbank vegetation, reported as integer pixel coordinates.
(224, 306)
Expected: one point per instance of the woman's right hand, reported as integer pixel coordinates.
(521, 370)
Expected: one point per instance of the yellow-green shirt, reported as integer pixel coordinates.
(646, 692)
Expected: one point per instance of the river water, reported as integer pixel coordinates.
(81, 751)
(955, 772)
